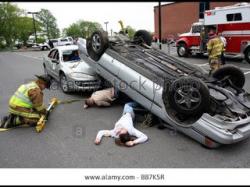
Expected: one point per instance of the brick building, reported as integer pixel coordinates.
(177, 18)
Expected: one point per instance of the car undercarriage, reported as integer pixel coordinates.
(191, 97)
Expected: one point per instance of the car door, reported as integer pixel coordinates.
(56, 64)
(48, 61)
(109, 68)
(137, 86)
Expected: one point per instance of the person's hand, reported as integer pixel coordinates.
(85, 106)
(130, 143)
(97, 141)
(43, 111)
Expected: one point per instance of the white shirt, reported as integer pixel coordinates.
(125, 122)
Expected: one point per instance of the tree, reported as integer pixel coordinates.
(49, 24)
(24, 28)
(73, 30)
(8, 20)
(88, 27)
(81, 28)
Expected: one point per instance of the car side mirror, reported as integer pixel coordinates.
(55, 61)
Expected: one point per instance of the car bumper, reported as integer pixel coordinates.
(84, 84)
(218, 131)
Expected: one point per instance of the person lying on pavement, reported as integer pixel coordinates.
(101, 98)
(124, 131)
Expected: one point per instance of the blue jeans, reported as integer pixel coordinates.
(129, 108)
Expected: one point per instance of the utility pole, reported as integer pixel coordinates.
(34, 24)
(159, 19)
(106, 23)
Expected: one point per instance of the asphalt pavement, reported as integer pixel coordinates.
(68, 139)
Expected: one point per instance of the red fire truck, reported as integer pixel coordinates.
(232, 22)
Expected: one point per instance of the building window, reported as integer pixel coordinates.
(203, 7)
(234, 17)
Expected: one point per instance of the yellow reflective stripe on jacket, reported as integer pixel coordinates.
(215, 47)
(21, 98)
(25, 114)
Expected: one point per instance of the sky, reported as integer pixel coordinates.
(137, 15)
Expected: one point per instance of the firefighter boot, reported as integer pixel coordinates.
(11, 121)
(3, 121)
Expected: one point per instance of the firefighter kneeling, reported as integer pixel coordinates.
(26, 105)
(215, 47)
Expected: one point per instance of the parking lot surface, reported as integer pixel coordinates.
(68, 139)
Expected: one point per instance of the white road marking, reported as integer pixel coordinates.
(39, 58)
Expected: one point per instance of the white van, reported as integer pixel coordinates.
(62, 41)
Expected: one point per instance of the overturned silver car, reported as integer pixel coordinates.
(213, 110)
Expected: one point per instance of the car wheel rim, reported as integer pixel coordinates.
(64, 84)
(182, 50)
(96, 42)
(187, 97)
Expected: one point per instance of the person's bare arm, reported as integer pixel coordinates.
(141, 138)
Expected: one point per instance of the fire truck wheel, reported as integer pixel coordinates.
(233, 73)
(247, 55)
(186, 99)
(182, 50)
(97, 44)
(143, 35)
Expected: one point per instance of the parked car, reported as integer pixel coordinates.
(30, 43)
(42, 46)
(18, 44)
(213, 110)
(64, 64)
(62, 41)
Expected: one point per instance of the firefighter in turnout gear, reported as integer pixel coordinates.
(215, 48)
(26, 105)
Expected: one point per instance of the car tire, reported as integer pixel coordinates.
(247, 55)
(235, 74)
(186, 99)
(143, 35)
(64, 83)
(97, 44)
(182, 50)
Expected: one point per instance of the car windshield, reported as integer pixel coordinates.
(71, 56)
